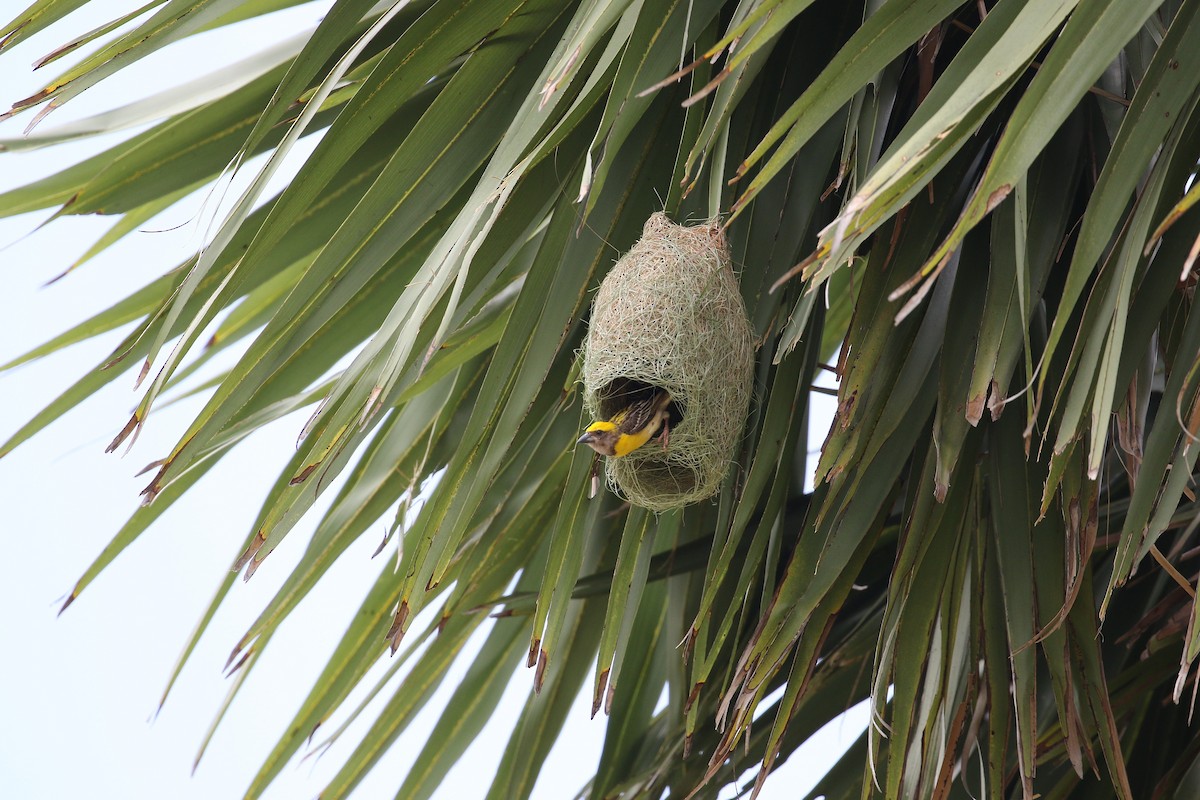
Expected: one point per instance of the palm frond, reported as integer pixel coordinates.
(982, 210)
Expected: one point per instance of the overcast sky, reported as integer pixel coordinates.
(80, 691)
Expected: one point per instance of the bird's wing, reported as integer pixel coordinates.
(641, 413)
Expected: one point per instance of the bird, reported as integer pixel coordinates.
(631, 427)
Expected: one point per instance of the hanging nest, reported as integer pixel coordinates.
(669, 315)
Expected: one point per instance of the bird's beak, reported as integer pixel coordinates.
(587, 438)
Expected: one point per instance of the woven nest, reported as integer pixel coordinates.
(669, 315)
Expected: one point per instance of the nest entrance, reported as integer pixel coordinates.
(623, 392)
(670, 316)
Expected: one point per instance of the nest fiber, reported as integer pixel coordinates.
(669, 315)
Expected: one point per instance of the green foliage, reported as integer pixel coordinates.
(984, 209)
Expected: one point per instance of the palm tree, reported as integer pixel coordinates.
(976, 214)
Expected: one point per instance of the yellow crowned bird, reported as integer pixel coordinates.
(631, 427)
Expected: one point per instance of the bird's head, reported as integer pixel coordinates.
(600, 436)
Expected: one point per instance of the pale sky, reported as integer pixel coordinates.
(79, 692)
